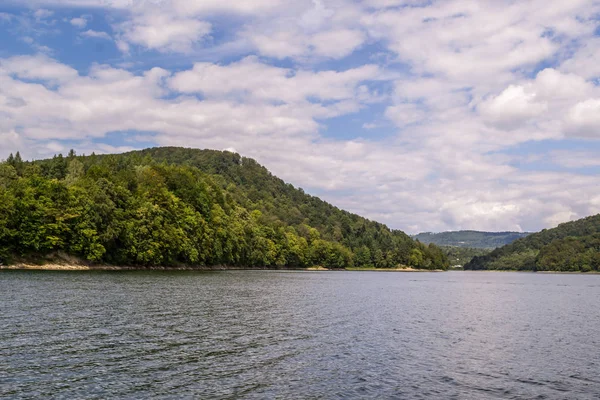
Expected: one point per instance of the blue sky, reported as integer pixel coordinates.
(425, 115)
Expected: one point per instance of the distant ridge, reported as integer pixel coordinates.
(571, 247)
(471, 239)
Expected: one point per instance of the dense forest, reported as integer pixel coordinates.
(185, 207)
(572, 246)
(472, 239)
(462, 255)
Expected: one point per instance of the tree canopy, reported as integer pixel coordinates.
(175, 206)
(572, 246)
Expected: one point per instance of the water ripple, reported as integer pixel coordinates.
(256, 335)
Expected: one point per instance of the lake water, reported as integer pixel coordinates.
(291, 335)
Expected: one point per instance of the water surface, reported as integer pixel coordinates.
(311, 335)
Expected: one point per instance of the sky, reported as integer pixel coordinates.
(424, 115)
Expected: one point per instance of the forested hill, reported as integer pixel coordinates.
(572, 246)
(176, 206)
(471, 239)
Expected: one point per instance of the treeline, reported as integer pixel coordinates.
(572, 246)
(175, 206)
(462, 255)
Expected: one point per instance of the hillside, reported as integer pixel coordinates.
(176, 206)
(470, 239)
(572, 246)
(462, 255)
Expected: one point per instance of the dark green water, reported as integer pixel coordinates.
(291, 335)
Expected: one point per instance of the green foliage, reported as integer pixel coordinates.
(572, 246)
(462, 255)
(175, 206)
(362, 257)
(470, 239)
(7, 227)
(571, 254)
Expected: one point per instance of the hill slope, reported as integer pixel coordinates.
(572, 246)
(174, 206)
(471, 239)
(459, 256)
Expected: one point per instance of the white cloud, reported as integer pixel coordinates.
(38, 67)
(513, 106)
(584, 119)
(164, 32)
(280, 44)
(466, 87)
(123, 46)
(337, 43)
(371, 125)
(251, 78)
(586, 60)
(186, 7)
(165, 25)
(406, 114)
(285, 43)
(323, 30)
(315, 17)
(42, 13)
(5, 17)
(552, 85)
(96, 34)
(552, 101)
(79, 22)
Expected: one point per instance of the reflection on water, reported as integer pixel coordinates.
(267, 334)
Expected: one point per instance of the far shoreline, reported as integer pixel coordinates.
(527, 271)
(82, 267)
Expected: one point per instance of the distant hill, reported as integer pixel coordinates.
(459, 256)
(572, 246)
(471, 239)
(174, 206)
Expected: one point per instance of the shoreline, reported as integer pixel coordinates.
(82, 267)
(532, 271)
(77, 267)
(393, 269)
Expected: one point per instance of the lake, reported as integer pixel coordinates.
(290, 335)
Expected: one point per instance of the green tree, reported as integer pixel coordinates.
(362, 257)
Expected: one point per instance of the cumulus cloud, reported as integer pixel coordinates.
(460, 81)
(96, 34)
(584, 119)
(564, 100)
(251, 78)
(323, 30)
(337, 43)
(39, 67)
(79, 22)
(164, 32)
(406, 114)
(284, 43)
(513, 106)
(585, 62)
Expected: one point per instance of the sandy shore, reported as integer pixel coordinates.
(80, 267)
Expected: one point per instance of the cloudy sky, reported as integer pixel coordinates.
(425, 115)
